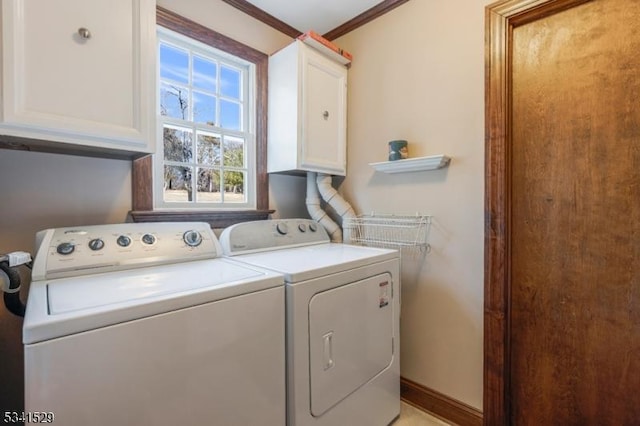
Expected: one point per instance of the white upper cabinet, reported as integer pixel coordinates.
(307, 112)
(79, 75)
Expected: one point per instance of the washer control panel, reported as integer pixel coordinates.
(249, 237)
(65, 252)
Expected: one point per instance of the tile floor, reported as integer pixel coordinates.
(411, 416)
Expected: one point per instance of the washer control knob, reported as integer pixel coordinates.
(313, 227)
(65, 248)
(148, 239)
(192, 238)
(96, 244)
(123, 241)
(302, 227)
(282, 228)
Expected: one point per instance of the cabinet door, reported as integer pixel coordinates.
(324, 113)
(97, 91)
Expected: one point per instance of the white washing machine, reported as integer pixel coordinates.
(143, 324)
(343, 306)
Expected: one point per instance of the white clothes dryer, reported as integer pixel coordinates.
(343, 307)
(143, 324)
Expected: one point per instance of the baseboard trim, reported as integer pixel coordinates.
(443, 406)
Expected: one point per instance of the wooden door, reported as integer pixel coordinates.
(562, 299)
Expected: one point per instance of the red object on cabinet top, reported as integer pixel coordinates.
(328, 48)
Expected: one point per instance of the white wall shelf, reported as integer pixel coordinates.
(417, 164)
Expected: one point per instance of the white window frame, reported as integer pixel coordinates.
(248, 134)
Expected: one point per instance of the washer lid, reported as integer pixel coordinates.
(69, 305)
(74, 294)
(304, 263)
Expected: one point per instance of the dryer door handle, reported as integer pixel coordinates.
(327, 350)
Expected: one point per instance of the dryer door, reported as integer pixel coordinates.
(350, 339)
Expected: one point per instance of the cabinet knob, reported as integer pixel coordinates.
(84, 33)
(325, 115)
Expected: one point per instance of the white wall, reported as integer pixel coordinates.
(417, 74)
(229, 21)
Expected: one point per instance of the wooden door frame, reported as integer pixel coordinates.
(500, 19)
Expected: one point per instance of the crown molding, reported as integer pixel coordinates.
(264, 17)
(366, 16)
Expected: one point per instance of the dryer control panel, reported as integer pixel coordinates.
(251, 237)
(67, 252)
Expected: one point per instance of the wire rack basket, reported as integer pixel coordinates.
(407, 233)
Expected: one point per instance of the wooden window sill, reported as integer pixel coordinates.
(216, 219)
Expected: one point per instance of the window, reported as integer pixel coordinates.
(207, 151)
(214, 167)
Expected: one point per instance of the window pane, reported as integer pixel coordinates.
(204, 108)
(177, 144)
(174, 64)
(234, 187)
(230, 115)
(204, 74)
(233, 152)
(174, 101)
(177, 184)
(208, 148)
(208, 185)
(230, 82)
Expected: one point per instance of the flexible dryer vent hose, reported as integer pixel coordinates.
(320, 185)
(317, 213)
(335, 200)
